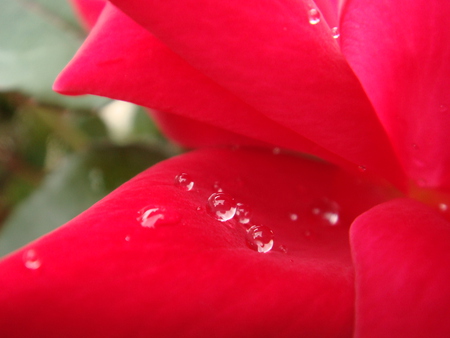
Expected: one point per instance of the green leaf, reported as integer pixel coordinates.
(37, 39)
(80, 182)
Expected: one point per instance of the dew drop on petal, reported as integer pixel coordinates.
(31, 260)
(221, 206)
(326, 211)
(314, 16)
(335, 32)
(184, 182)
(260, 238)
(127, 238)
(293, 217)
(443, 207)
(362, 168)
(243, 213)
(217, 187)
(151, 216)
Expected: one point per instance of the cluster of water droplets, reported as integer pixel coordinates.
(314, 17)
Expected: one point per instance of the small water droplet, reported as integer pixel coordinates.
(326, 211)
(362, 168)
(293, 217)
(221, 206)
(283, 249)
(31, 260)
(127, 238)
(217, 186)
(184, 182)
(151, 216)
(243, 213)
(276, 151)
(443, 207)
(200, 209)
(335, 32)
(260, 238)
(314, 16)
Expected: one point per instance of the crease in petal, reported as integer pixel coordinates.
(400, 250)
(400, 52)
(188, 274)
(270, 56)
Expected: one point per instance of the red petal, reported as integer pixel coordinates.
(304, 95)
(401, 259)
(401, 53)
(103, 274)
(88, 10)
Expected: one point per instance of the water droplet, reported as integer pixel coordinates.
(184, 182)
(127, 238)
(335, 32)
(276, 151)
(199, 209)
(221, 206)
(314, 16)
(326, 211)
(362, 168)
(293, 217)
(217, 187)
(31, 260)
(260, 238)
(283, 249)
(151, 216)
(243, 213)
(443, 207)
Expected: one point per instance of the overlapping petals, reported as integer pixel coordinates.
(192, 274)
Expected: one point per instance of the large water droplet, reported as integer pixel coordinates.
(260, 238)
(221, 206)
(151, 216)
(326, 211)
(243, 213)
(314, 16)
(335, 32)
(184, 182)
(31, 260)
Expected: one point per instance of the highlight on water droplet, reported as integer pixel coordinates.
(127, 238)
(326, 211)
(243, 213)
(31, 260)
(150, 216)
(221, 206)
(260, 238)
(293, 217)
(184, 182)
(443, 207)
(217, 186)
(335, 32)
(314, 16)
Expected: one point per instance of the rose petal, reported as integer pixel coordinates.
(401, 259)
(271, 57)
(401, 53)
(88, 10)
(105, 274)
(155, 77)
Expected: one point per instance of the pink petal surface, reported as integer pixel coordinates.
(400, 51)
(103, 274)
(297, 82)
(402, 261)
(88, 10)
(153, 76)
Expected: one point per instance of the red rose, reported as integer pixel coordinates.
(253, 239)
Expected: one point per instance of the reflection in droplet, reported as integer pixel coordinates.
(184, 182)
(243, 213)
(326, 211)
(335, 32)
(260, 238)
(314, 16)
(151, 216)
(31, 260)
(221, 206)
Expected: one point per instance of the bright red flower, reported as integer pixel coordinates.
(249, 242)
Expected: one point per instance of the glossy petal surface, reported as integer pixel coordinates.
(297, 81)
(400, 51)
(188, 274)
(401, 258)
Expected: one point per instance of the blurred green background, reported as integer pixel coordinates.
(58, 154)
